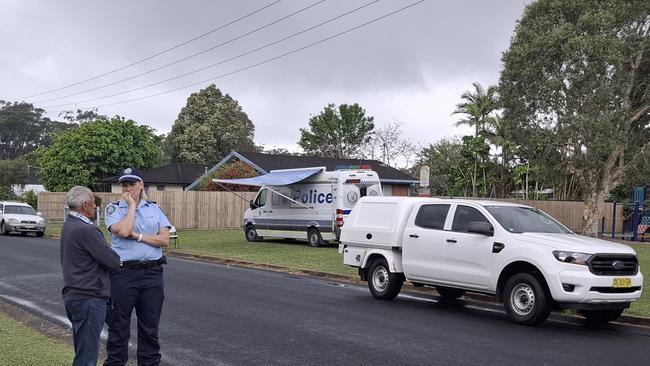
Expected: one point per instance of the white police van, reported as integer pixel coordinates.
(305, 203)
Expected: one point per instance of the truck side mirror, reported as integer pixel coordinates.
(480, 227)
(252, 205)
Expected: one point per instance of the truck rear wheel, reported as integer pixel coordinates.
(315, 239)
(449, 293)
(526, 300)
(601, 316)
(251, 233)
(383, 284)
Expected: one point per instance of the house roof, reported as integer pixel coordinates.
(175, 173)
(264, 163)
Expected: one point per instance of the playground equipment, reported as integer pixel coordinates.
(636, 221)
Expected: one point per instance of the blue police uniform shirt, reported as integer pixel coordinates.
(149, 218)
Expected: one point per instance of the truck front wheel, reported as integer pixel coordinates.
(383, 284)
(601, 316)
(526, 300)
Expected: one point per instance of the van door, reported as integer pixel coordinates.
(261, 211)
(466, 257)
(423, 241)
(280, 215)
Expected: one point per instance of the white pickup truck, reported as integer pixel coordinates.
(531, 262)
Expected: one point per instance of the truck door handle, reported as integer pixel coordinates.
(414, 236)
(452, 241)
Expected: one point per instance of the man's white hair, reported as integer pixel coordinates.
(77, 195)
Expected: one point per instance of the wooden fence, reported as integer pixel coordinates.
(570, 212)
(210, 210)
(185, 210)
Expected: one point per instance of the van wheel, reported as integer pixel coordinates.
(315, 239)
(383, 284)
(3, 229)
(251, 234)
(449, 293)
(526, 300)
(601, 316)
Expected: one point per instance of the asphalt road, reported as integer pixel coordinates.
(223, 315)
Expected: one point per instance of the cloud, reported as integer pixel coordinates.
(410, 67)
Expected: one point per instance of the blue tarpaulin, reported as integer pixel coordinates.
(275, 177)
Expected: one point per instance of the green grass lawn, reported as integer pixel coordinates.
(642, 307)
(23, 346)
(295, 255)
(298, 255)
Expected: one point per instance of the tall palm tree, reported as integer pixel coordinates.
(477, 106)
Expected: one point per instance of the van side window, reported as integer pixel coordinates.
(279, 201)
(261, 198)
(432, 216)
(464, 216)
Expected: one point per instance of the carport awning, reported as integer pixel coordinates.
(275, 177)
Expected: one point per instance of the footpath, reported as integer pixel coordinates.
(623, 319)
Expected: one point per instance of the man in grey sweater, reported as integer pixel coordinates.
(86, 260)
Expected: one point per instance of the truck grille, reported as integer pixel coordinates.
(613, 265)
(27, 222)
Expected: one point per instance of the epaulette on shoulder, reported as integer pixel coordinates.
(154, 202)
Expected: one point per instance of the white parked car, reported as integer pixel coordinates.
(524, 257)
(20, 217)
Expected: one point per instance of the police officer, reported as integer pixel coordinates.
(139, 230)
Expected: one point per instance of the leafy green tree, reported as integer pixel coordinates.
(209, 127)
(13, 172)
(477, 150)
(501, 137)
(337, 132)
(23, 129)
(579, 71)
(30, 198)
(97, 150)
(477, 107)
(448, 168)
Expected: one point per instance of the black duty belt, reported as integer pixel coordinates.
(144, 264)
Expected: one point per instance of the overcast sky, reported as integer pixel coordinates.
(409, 67)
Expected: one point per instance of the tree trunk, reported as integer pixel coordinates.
(474, 175)
(594, 203)
(612, 175)
(526, 188)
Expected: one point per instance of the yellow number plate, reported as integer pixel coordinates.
(622, 282)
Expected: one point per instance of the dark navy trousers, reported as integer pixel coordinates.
(87, 318)
(143, 290)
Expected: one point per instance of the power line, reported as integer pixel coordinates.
(184, 58)
(220, 62)
(156, 54)
(261, 62)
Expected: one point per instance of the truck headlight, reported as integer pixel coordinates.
(12, 220)
(571, 257)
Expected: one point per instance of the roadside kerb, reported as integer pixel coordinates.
(625, 319)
